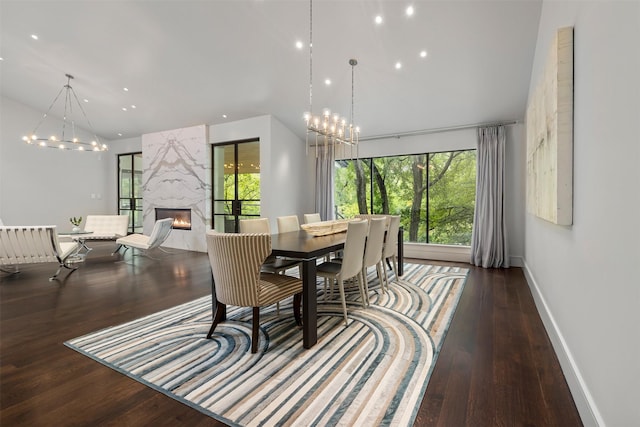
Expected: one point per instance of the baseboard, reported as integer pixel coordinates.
(582, 397)
(435, 252)
(516, 261)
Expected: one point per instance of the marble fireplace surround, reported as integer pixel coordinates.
(177, 174)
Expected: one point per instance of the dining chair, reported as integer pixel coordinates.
(311, 218)
(390, 249)
(272, 264)
(373, 252)
(288, 223)
(236, 260)
(351, 265)
(369, 216)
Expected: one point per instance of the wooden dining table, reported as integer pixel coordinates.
(307, 248)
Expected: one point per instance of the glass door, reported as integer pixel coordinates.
(236, 184)
(130, 189)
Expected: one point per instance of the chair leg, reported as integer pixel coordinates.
(394, 260)
(297, 299)
(65, 265)
(116, 250)
(344, 301)
(383, 285)
(220, 309)
(364, 287)
(255, 330)
(15, 270)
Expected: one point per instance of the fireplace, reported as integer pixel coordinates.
(181, 217)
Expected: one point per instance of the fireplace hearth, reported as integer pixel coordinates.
(181, 217)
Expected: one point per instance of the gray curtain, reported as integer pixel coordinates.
(489, 238)
(324, 181)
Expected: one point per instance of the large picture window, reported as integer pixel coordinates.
(434, 193)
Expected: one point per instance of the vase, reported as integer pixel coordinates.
(75, 229)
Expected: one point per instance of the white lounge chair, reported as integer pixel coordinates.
(159, 234)
(35, 244)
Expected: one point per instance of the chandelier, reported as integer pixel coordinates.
(67, 139)
(330, 130)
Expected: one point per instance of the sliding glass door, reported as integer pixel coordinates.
(130, 189)
(236, 183)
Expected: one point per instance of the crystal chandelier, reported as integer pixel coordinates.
(65, 141)
(329, 130)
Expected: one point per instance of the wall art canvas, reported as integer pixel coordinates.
(549, 124)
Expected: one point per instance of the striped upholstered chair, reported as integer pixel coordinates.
(236, 260)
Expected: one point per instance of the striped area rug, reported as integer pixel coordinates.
(373, 372)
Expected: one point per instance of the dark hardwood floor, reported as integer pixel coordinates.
(496, 367)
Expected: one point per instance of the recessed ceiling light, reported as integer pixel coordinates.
(34, 36)
(119, 134)
(378, 19)
(299, 44)
(126, 89)
(398, 65)
(133, 106)
(85, 100)
(409, 11)
(327, 82)
(423, 54)
(224, 116)
(1, 58)
(124, 108)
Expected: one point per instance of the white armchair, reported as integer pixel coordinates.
(35, 244)
(159, 234)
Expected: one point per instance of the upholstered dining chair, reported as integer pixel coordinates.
(390, 249)
(351, 265)
(311, 218)
(288, 223)
(161, 230)
(272, 264)
(373, 251)
(236, 260)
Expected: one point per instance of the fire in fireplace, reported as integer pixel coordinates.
(181, 217)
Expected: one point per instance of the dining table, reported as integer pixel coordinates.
(307, 248)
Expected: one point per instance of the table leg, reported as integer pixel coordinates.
(309, 304)
(400, 251)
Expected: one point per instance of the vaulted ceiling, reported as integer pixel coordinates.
(193, 62)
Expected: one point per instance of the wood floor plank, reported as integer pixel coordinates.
(496, 366)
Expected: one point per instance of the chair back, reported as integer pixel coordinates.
(391, 241)
(258, 225)
(369, 216)
(29, 244)
(160, 232)
(116, 225)
(354, 248)
(235, 260)
(311, 218)
(375, 242)
(288, 223)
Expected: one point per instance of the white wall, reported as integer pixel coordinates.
(284, 182)
(45, 186)
(464, 139)
(584, 277)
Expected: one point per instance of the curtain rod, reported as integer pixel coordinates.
(436, 130)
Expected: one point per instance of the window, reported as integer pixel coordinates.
(434, 193)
